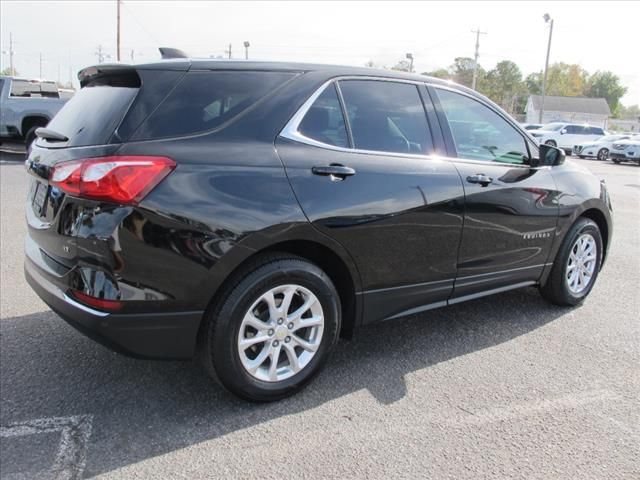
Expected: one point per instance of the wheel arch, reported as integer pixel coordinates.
(332, 259)
(600, 219)
(31, 120)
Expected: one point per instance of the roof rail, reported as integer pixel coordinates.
(166, 53)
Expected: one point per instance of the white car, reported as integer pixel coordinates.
(599, 148)
(626, 151)
(566, 135)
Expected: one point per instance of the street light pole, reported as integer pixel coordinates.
(410, 57)
(246, 50)
(549, 20)
(118, 32)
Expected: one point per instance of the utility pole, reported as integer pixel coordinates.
(11, 70)
(40, 65)
(475, 58)
(228, 52)
(246, 49)
(549, 20)
(118, 32)
(100, 54)
(132, 56)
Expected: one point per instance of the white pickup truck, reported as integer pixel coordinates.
(26, 105)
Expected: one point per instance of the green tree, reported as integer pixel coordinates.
(632, 111)
(606, 85)
(503, 84)
(7, 72)
(439, 73)
(462, 72)
(533, 83)
(402, 66)
(566, 80)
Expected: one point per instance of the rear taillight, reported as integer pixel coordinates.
(100, 303)
(118, 179)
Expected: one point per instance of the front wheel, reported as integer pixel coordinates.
(274, 328)
(576, 266)
(603, 153)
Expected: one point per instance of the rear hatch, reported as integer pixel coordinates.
(94, 123)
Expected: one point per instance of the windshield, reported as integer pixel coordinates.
(553, 126)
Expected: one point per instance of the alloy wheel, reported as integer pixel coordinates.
(280, 333)
(581, 264)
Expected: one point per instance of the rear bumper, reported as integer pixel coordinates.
(142, 335)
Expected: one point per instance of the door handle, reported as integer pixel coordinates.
(336, 172)
(480, 178)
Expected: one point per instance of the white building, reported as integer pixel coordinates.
(594, 111)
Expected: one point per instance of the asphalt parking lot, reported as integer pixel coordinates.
(503, 387)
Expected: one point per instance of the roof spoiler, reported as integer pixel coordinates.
(116, 74)
(167, 53)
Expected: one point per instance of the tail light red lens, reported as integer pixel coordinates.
(99, 303)
(118, 179)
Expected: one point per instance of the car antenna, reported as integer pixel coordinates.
(167, 52)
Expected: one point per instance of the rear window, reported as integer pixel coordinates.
(92, 115)
(24, 88)
(205, 100)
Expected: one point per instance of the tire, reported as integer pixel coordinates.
(582, 156)
(229, 322)
(30, 137)
(557, 289)
(616, 161)
(603, 153)
(551, 143)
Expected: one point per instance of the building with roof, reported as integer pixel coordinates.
(594, 111)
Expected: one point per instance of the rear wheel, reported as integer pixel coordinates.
(577, 265)
(30, 137)
(273, 329)
(603, 153)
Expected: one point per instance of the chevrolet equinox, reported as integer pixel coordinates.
(249, 213)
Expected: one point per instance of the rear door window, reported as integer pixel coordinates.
(203, 101)
(386, 116)
(324, 121)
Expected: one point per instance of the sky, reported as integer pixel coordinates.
(601, 35)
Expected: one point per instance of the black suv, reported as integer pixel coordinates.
(249, 213)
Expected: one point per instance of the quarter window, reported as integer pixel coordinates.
(479, 133)
(324, 121)
(386, 116)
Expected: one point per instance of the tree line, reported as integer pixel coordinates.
(506, 85)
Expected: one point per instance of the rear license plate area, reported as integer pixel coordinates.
(39, 198)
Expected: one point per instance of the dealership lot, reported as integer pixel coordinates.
(506, 386)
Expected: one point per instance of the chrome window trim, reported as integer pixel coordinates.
(290, 130)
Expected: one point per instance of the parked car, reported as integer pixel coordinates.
(531, 126)
(566, 135)
(26, 106)
(626, 151)
(598, 148)
(249, 213)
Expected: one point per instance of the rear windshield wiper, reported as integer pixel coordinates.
(52, 135)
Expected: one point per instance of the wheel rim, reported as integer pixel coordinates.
(602, 154)
(280, 333)
(582, 263)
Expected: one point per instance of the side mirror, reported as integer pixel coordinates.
(548, 157)
(563, 131)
